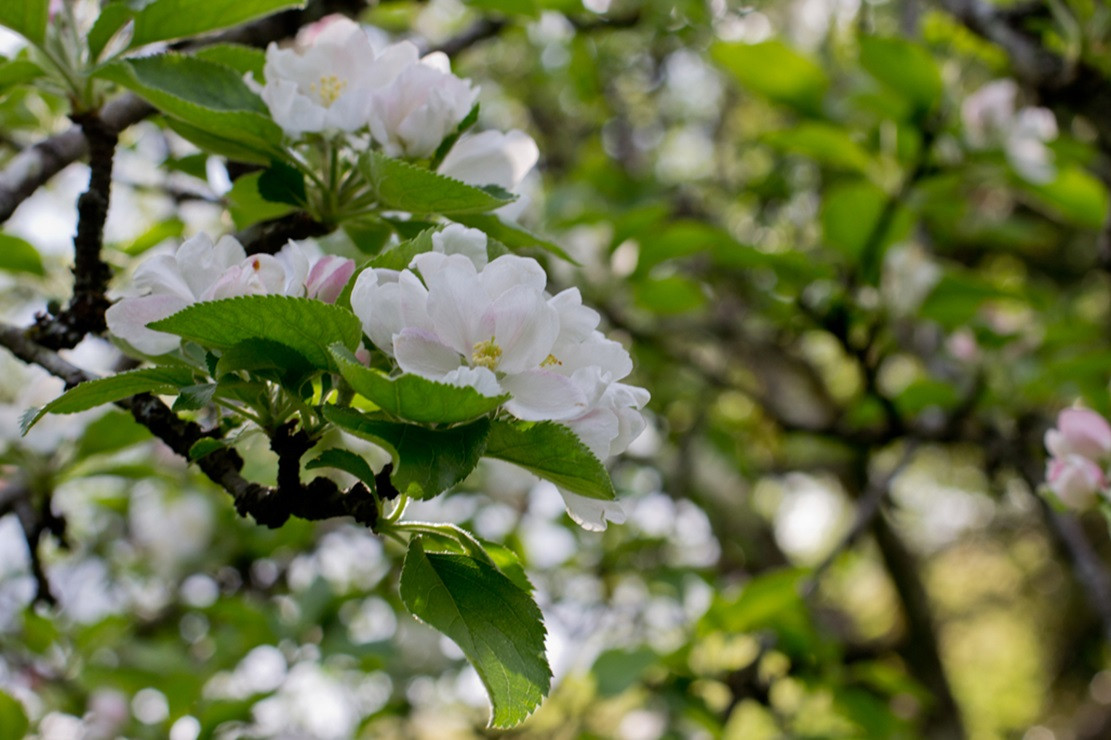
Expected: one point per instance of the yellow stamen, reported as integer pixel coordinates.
(328, 89)
(486, 354)
(550, 360)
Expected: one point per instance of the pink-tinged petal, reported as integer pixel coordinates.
(1082, 432)
(328, 277)
(509, 271)
(591, 513)
(420, 352)
(540, 395)
(524, 326)
(1075, 480)
(128, 319)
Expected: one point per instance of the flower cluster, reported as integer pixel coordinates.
(1080, 449)
(337, 78)
(456, 318)
(990, 119)
(203, 271)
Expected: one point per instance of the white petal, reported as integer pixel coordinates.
(421, 353)
(479, 378)
(540, 395)
(296, 267)
(491, 158)
(592, 513)
(524, 326)
(457, 239)
(128, 319)
(597, 430)
(510, 270)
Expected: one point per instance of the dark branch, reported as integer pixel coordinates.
(85, 312)
(270, 236)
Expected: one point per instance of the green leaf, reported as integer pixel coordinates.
(344, 460)
(905, 67)
(94, 393)
(282, 183)
(242, 59)
(368, 234)
(525, 8)
(247, 206)
(671, 295)
(774, 70)
(1075, 196)
(26, 17)
(398, 257)
(115, 430)
(511, 235)
(204, 95)
(427, 462)
(616, 670)
(553, 452)
(205, 446)
(304, 325)
(494, 622)
(412, 397)
(508, 563)
(163, 20)
(113, 17)
(18, 72)
(267, 358)
(829, 145)
(853, 217)
(194, 397)
(13, 720)
(19, 255)
(209, 143)
(171, 228)
(405, 187)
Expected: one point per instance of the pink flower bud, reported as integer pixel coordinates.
(1079, 432)
(328, 277)
(1075, 480)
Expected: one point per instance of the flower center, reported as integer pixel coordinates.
(328, 89)
(550, 360)
(486, 354)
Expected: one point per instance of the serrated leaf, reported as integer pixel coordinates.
(113, 17)
(344, 460)
(306, 326)
(511, 235)
(508, 563)
(267, 358)
(204, 95)
(242, 59)
(94, 393)
(282, 183)
(193, 397)
(553, 452)
(163, 20)
(398, 257)
(412, 397)
(26, 17)
(449, 141)
(405, 187)
(427, 462)
(494, 622)
(19, 255)
(247, 206)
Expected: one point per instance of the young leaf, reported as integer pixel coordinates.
(427, 462)
(304, 325)
(399, 256)
(18, 72)
(553, 452)
(344, 460)
(405, 187)
(93, 393)
(494, 622)
(203, 94)
(18, 255)
(112, 18)
(26, 17)
(412, 397)
(282, 183)
(163, 20)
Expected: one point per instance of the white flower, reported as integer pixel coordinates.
(990, 119)
(591, 513)
(202, 271)
(491, 158)
(324, 81)
(412, 114)
(457, 239)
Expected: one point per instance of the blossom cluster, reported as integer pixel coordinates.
(991, 119)
(1080, 450)
(341, 78)
(203, 271)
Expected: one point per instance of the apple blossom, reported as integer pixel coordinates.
(328, 277)
(412, 114)
(990, 119)
(491, 158)
(1080, 432)
(1075, 480)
